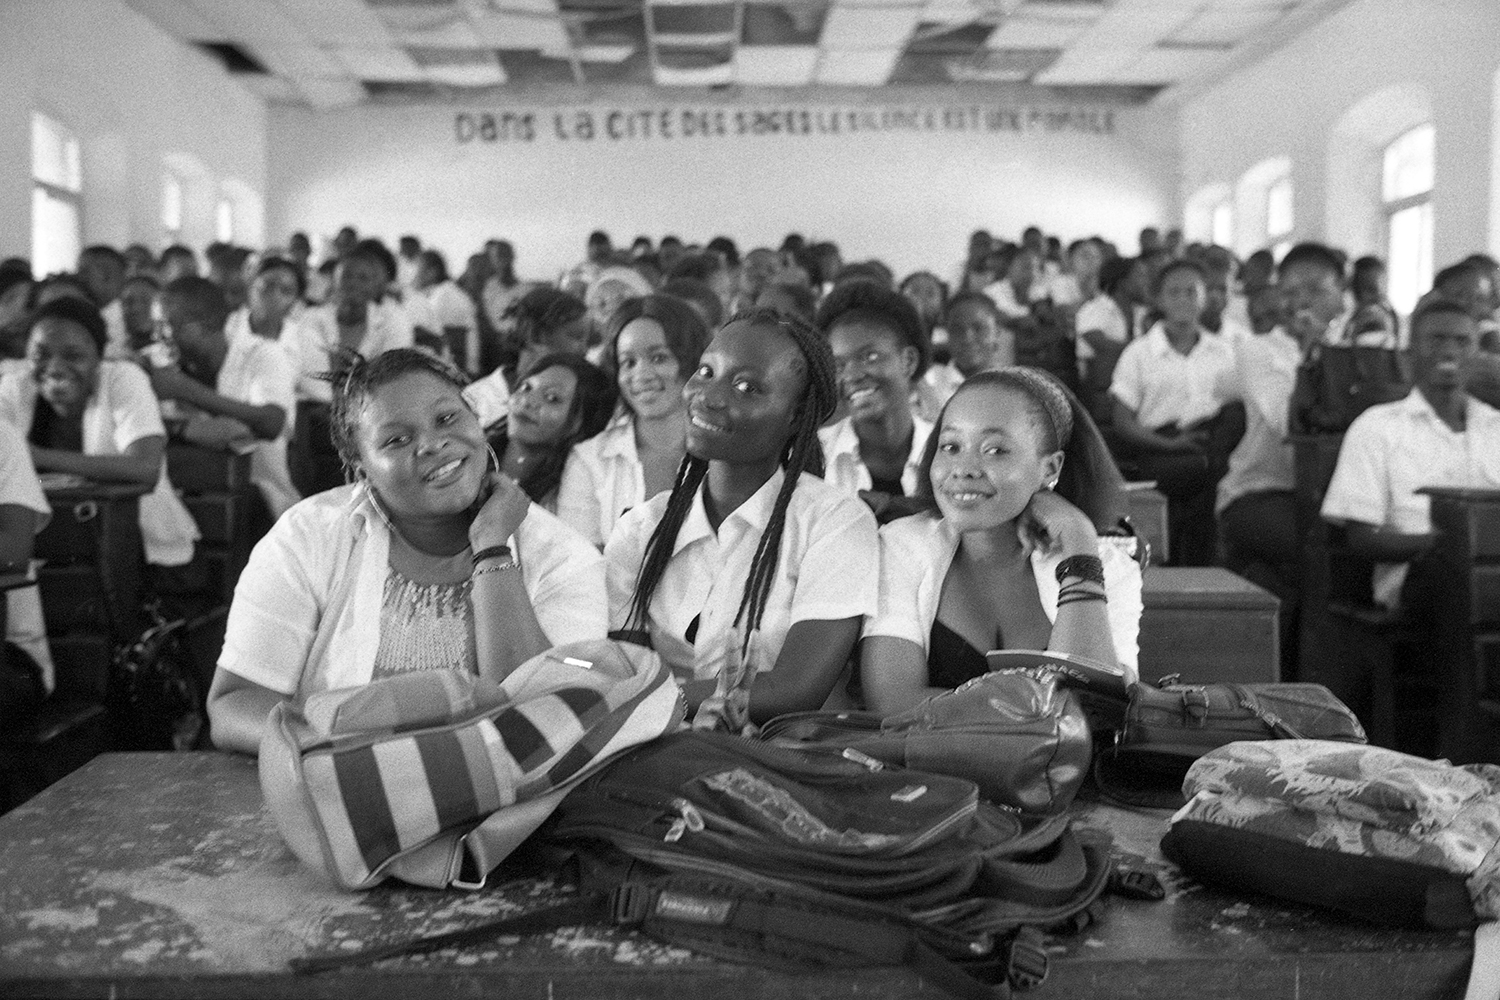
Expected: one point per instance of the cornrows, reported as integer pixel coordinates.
(803, 453)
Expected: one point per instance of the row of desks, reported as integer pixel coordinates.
(161, 875)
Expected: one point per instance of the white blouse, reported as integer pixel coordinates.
(602, 479)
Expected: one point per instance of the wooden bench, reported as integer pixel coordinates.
(1207, 624)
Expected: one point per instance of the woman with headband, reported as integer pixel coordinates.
(429, 560)
(1009, 556)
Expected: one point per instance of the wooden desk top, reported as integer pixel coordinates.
(1201, 586)
(73, 489)
(160, 875)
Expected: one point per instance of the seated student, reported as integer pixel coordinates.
(976, 341)
(1373, 312)
(355, 318)
(561, 401)
(699, 297)
(97, 418)
(102, 269)
(1218, 273)
(929, 296)
(271, 305)
(137, 307)
(237, 389)
(879, 350)
(1009, 556)
(751, 560)
(1170, 415)
(543, 321)
(429, 560)
(24, 511)
(653, 344)
(445, 308)
(1438, 435)
(790, 298)
(1101, 329)
(605, 293)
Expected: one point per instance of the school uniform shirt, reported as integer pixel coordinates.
(846, 470)
(306, 610)
(1003, 294)
(603, 478)
(916, 553)
(257, 371)
(122, 410)
(116, 337)
(1100, 313)
(1164, 386)
(1394, 449)
(20, 487)
(447, 306)
(1263, 377)
(933, 390)
(827, 571)
(310, 343)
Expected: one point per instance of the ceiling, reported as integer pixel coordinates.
(331, 53)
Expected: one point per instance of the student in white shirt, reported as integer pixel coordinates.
(24, 511)
(430, 560)
(879, 351)
(452, 314)
(976, 341)
(751, 564)
(653, 344)
(544, 321)
(1170, 412)
(240, 389)
(102, 269)
(1008, 556)
(271, 303)
(355, 318)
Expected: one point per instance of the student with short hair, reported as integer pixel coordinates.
(450, 312)
(543, 321)
(976, 340)
(652, 345)
(751, 564)
(103, 269)
(355, 318)
(1019, 484)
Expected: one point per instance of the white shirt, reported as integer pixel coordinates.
(1164, 386)
(306, 611)
(116, 337)
(847, 471)
(490, 397)
(257, 371)
(1263, 376)
(24, 624)
(1003, 294)
(1100, 313)
(1394, 449)
(602, 479)
(122, 410)
(826, 571)
(310, 342)
(447, 305)
(916, 553)
(932, 392)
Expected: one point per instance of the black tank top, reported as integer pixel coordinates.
(950, 658)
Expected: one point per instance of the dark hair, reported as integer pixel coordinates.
(865, 270)
(1314, 254)
(1089, 479)
(178, 250)
(541, 311)
(355, 378)
(697, 293)
(104, 252)
(1172, 267)
(14, 274)
(593, 405)
(434, 259)
(725, 246)
(866, 301)
(979, 299)
(1362, 276)
(74, 310)
(804, 301)
(1114, 272)
(698, 266)
(372, 249)
(272, 262)
(204, 300)
(62, 279)
(1436, 306)
(686, 333)
(1464, 269)
(802, 454)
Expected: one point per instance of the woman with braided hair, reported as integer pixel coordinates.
(1009, 556)
(751, 563)
(545, 321)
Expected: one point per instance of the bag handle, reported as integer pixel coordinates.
(1272, 721)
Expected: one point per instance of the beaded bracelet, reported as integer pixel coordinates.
(1087, 568)
(494, 551)
(502, 567)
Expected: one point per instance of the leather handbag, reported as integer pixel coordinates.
(1023, 740)
(1170, 726)
(1337, 382)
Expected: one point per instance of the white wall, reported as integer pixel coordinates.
(1333, 96)
(134, 96)
(910, 197)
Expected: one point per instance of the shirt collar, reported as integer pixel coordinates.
(617, 440)
(840, 439)
(754, 512)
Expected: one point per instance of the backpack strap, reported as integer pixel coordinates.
(1484, 974)
(1273, 722)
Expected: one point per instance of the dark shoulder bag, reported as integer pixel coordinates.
(1338, 382)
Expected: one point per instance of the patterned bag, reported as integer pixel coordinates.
(434, 777)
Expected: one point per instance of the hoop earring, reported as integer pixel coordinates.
(494, 458)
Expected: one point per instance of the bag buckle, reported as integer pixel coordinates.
(630, 904)
(1027, 968)
(1195, 706)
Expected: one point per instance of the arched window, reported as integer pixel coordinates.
(1263, 207)
(1406, 193)
(1280, 222)
(56, 196)
(171, 205)
(1208, 215)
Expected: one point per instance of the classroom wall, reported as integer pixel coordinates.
(1332, 98)
(137, 99)
(917, 173)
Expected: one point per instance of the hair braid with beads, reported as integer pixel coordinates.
(802, 453)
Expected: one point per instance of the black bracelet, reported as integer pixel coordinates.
(1088, 568)
(493, 552)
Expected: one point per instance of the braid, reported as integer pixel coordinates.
(659, 549)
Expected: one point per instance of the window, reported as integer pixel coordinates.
(1221, 224)
(1406, 192)
(224, 220)
(1279, 219)
(56, 202)
(171, 205)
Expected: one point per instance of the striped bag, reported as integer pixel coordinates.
(434, 777)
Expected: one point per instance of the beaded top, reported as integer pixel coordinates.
(425, 626)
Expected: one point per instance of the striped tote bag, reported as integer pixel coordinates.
(434, 777)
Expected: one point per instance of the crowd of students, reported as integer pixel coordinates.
(852, 486)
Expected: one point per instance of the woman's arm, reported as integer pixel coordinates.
(811, 659)
(1082, 626)
(506, 630)
(237, 710)
(141, 462)
(893, 673)
(1133, 433)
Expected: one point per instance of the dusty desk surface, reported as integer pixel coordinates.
(160, 875)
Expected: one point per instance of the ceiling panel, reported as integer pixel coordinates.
(1021, 31)
(856, 69)
(337, 22)
(520, 31)
(853, 28)
(1225, 27)
(770, 65)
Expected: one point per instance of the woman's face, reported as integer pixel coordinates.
(975, 339)
(272, 294)
(874, 368)
(136, 300)
(357, 282)
(650, 377)
(421, 447)
(924, 292)
(64, 362)
(989, 460)
(742, 399)
(541, 408)
(605, 297)
(1181, 297)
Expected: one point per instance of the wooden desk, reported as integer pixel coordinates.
(160, 875)
(1148, 512)
(1207, 624)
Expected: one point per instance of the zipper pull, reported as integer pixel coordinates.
(690, 819)
(859, 757)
